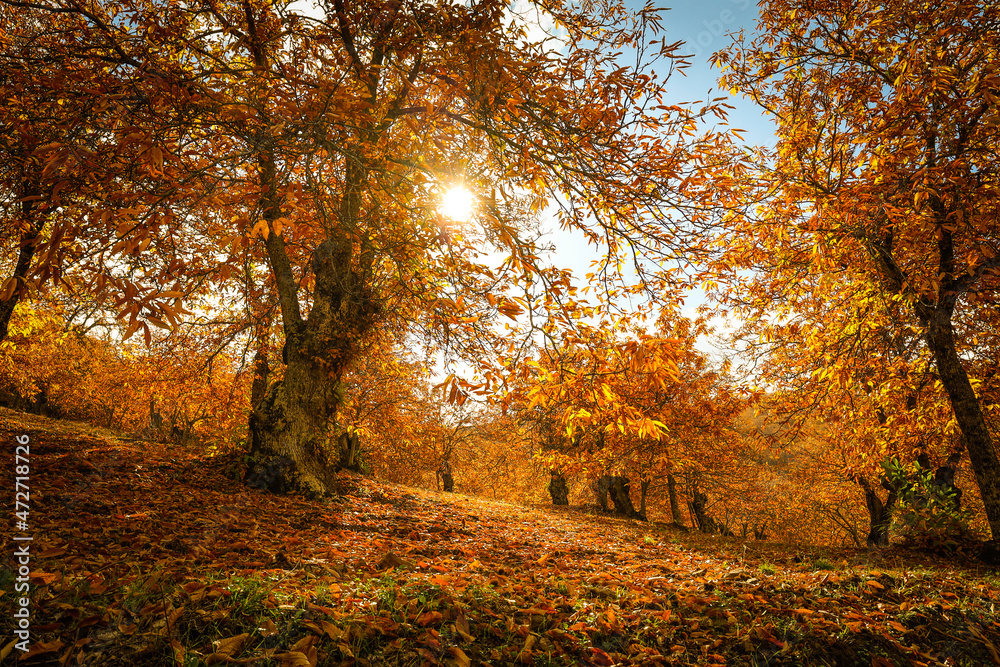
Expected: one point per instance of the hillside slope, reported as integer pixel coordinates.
(146, 553)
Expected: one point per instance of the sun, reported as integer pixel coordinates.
(458, 203)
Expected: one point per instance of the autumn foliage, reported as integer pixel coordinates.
(223, 228)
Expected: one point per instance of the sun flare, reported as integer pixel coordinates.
(458, 203)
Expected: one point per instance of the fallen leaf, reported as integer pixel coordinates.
(226, 649)
(429, 617)
(460, 657)
(391, 560)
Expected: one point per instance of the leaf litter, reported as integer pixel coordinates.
(148, 553)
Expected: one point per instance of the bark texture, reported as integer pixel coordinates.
(349, 447)
(705, 523)
(699, 502)
(290, 427)
(968, 413)
(446, 481)
(558, 488)
(675, 508)
(617, 487)
(879, 513)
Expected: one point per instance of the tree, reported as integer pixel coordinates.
(623, 404)
(329, 136)
(885, 171)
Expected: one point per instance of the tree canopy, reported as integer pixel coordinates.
(239, 207)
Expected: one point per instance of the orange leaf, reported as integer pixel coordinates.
(462, 626)
(225, 649)
(429, 617)
(40, 648)
(462, 659)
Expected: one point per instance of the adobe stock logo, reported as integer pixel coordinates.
(708, 40)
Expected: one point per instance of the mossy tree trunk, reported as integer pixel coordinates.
(291, 426)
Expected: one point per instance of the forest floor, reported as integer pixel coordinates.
(154, 554)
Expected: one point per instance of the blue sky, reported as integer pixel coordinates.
(703, 25)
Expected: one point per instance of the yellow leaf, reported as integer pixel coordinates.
(5, 651)
(8, 288)
(460, 657)
(260, 228)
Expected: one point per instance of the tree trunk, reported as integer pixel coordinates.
(349, 446)
(601, 491)
(261, 371)
(643, 491)
(29, 242)
(675, 508)
(936, 318)
(288, 444)
(291, 426)
(698, 505)
(698, 502)
(618, 489)
(558, 488)
(968, 412)
(879, 514)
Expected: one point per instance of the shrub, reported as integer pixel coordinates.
(930, 514)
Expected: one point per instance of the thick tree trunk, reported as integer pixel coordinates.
(558, 488)
(879, 514)
(349, 448)
(261, 372)
(601, 491)
(675, 508)
(618, 489)
(698, 504)
(289, 448)
(291, 427)
(446, 479)
(968, 412)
